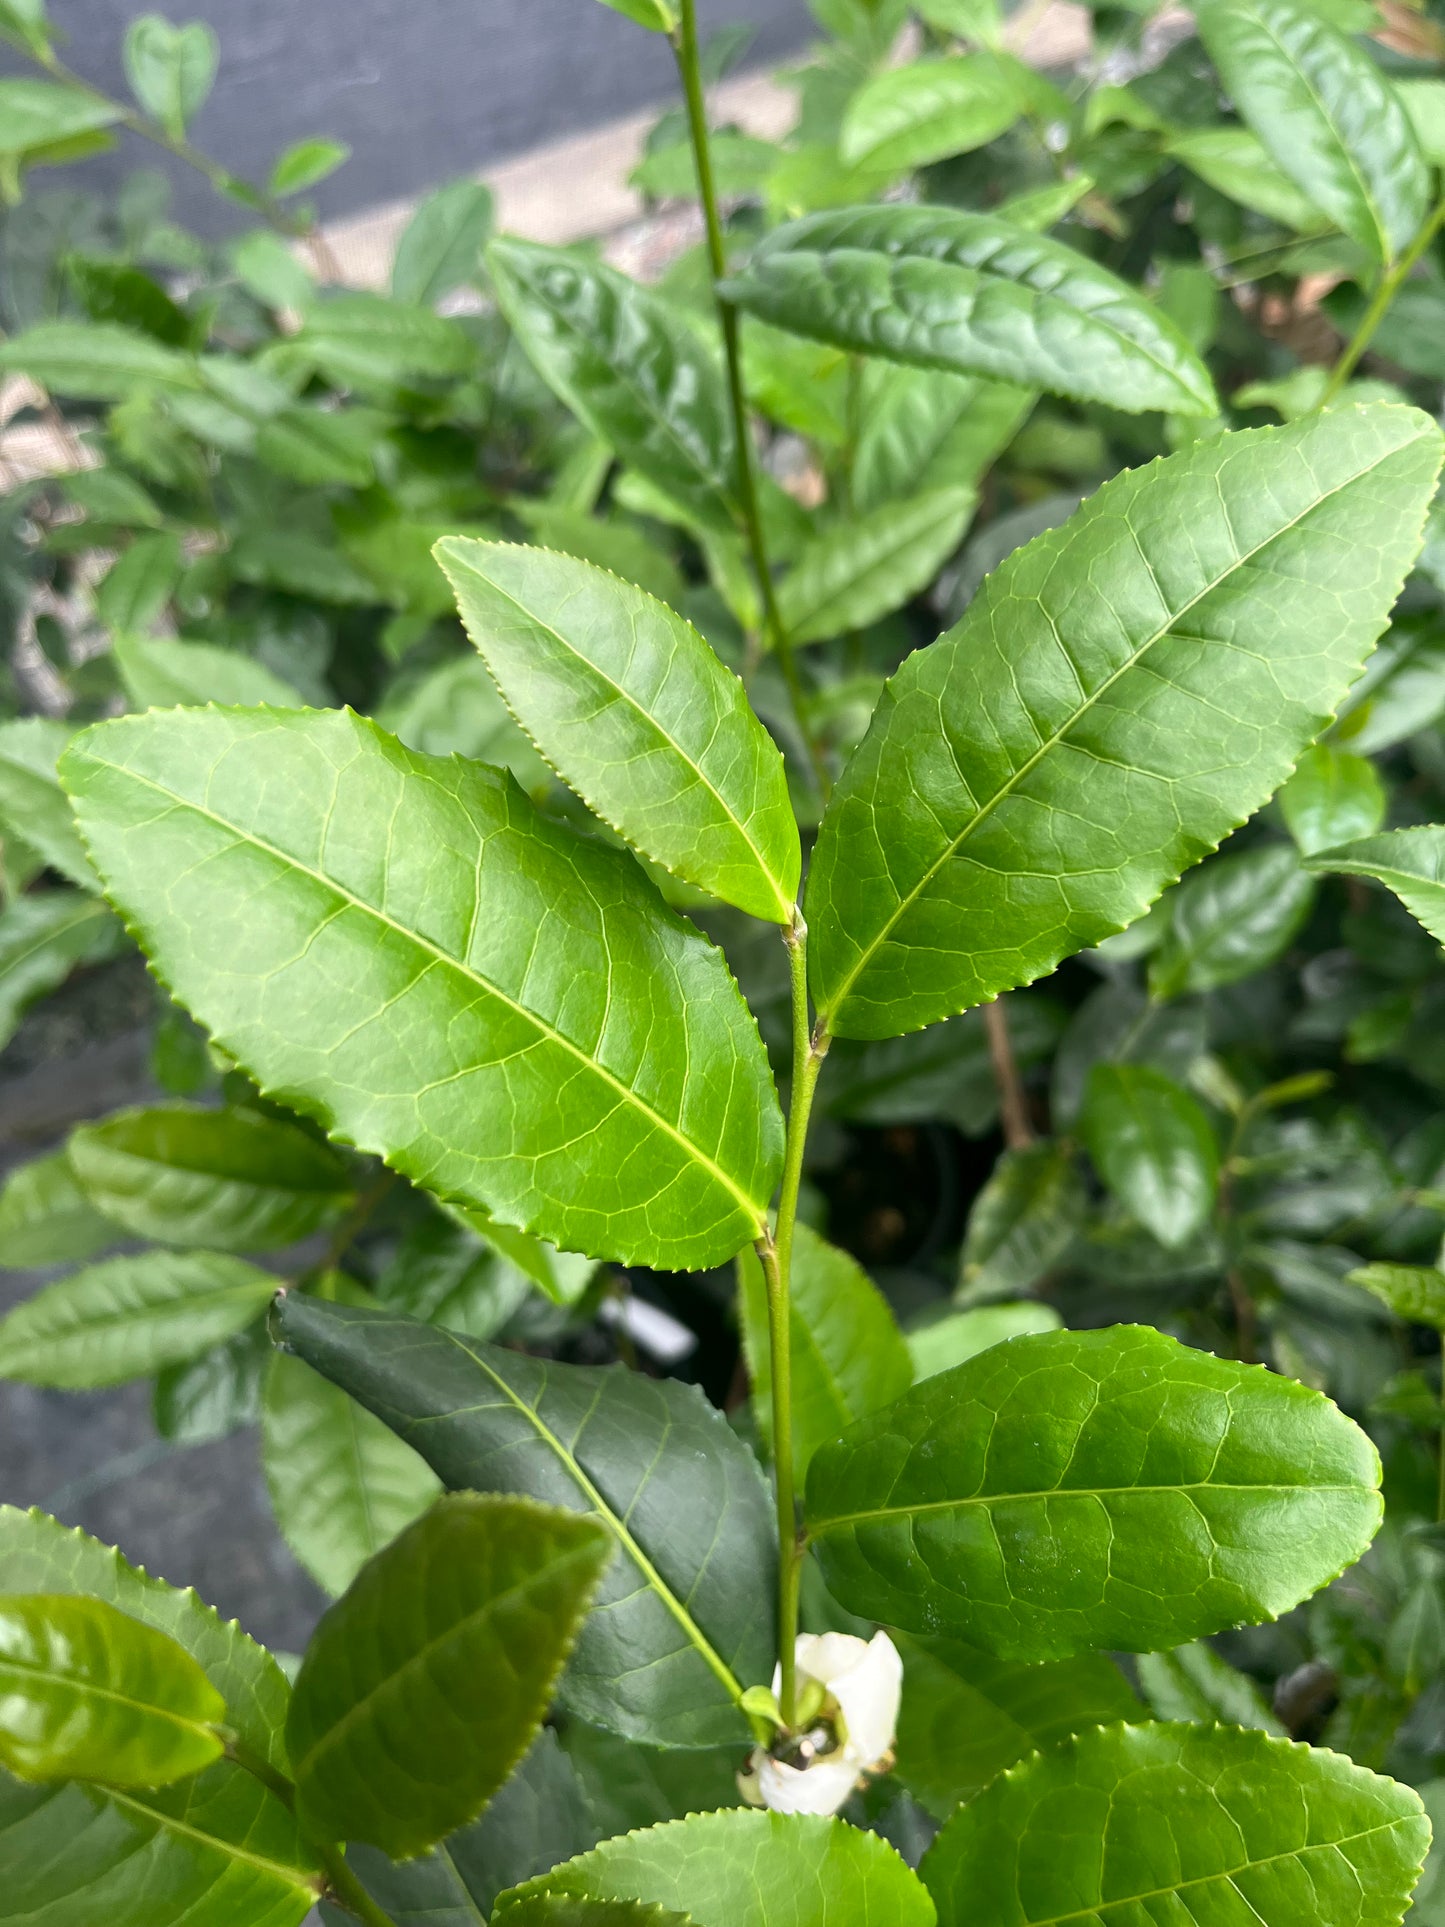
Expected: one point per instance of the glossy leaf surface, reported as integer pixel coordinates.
(1091, 1489)
(1113, 702)
(1021, 1222)
(44, 935)
(87, 1693)
(233, 1180)
(1333, 797)
(1238, 164)
(861, 570)
(33, 806)
(1413, 1292)
(959, 1336)
(1154, 1148)
(1409, 862)
(636, 712)
(683, 1621)
(1128, 1822)
(1234, 917)
(1196, 1683)
(532, 1032)
(928, 109)
(423, 1687)
(941, 288)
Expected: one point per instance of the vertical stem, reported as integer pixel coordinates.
(1390, 284)
(1013, 1106)
(1440, 1489)
(684, 46)
(348, 1891)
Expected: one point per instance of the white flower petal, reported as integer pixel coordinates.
(821, 1788)
(869, 1691)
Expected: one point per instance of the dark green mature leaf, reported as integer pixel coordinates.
(626, 1785)
(744, 1869)
(1110, 706)
(848, 1355)
(941, 288)
(1333, 797)
(1196, 1683)
(1327, 115)
(1127, 1823)
(98, 360)
(1409, 862)
(423, 1687)
(33, 806)
(967, 1716)
(231, 1180)
(858, 571)
(43, 937)
(126, 1317)
(46, 1219)
(637, 713)
(441, 246)
(684, 1619)
(38, 113)
(1169, 1494)
(928, 109)
(137, 587)
(160, 673)
(1413, 1292)
(462, 1018)
(87, 1693)
(1021, 1222)
(629, 366)
(1153, 1147)
(1233, 918)
(925, 429)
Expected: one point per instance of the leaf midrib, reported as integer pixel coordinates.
(297, 1877)
(845, 1521)
(547, 1031)
(1026, 768)
(878, 562)
(89, 1689)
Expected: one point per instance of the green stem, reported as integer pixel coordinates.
(685, 47)
(1440, 1489)
(259, 1769)
(347, 1891)
(1390, 285)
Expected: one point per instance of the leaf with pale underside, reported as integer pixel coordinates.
(1409, 862)
(859, 571)
(636, 712)
(1091, 1489)
(402, 946)
(1114, 702)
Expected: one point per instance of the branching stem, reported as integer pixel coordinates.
(1391, 283)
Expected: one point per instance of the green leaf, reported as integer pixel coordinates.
(1022, 1222)
(267, 267)
(927, 110)
(1154, 1148)
(1109, 707)
(563, 1275)
(860, 570)
(957, 1336)
(39, 113)
(411, 995)
(1326, 114)
(170, 69)
(848, 1356)
(43, 937)
(443, 1274)
(46, 1219)
(110, 495)
(423, 1687)
(159, 673)
(968, 19)
(1333, 797)
(742, 1869)
(1237, 164)
(659, 15)
(231, 1180)
(924, 429)
(1413, 1292)
(966, 1717)
(137, 587)
(371, 341)
(627, 1785)
(33, 806)
(684, 1617)
(1127, 1823)
(1170, 1494)
(628, 365)
(441, 245)
(559, 1910)
(306, 164)
(1409, 862)
(315, 446)
(212, 1396)
(1195, 1683)
(342, 1485)
(1236, 916)
(98, 360)
(940, 288)
(126, 1317)
(635, 712)
(87, 1693)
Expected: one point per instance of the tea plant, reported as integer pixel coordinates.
(482, 1023)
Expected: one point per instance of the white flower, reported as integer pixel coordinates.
(862, 1682)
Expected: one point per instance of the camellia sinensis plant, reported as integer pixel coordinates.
(859, 1655)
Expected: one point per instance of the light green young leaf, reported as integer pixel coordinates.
(734, 1869)
(848, 1356)
(426, 1004)
(1235, 917)
(858, 571)
(231, 1180)
(170, 69)
(306, 164)
(127, 1317)
(1409, 862)
(1196, 1683)
(924, 429)
(905, 117)
(1176, 1820)
(969, 19)
(110, 495)
(1111, 705)
(33, 807)
(628, 365)
(267, 267)
(1332, 798)
(1402, 690)
(684, 1616)
(1021, 1223)
(1415, 1293)
(1237, 163)
(87, 1693)
(423, 1687)
(966, 1717)
(98, 360)
(957, 1336)
(43, 937)
(1171, 1494)
(1154, 1148)
(441, 246)
(159, 673)
(318, 447)
(562, 1910)
(137, 587)
(622, 548)
(635, 712)
(1424, 102)
(342, 1485)
(373, 341)
(46, 1219)
(658, 15)
(1327, 115)
(39, 113)
(940, 288)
